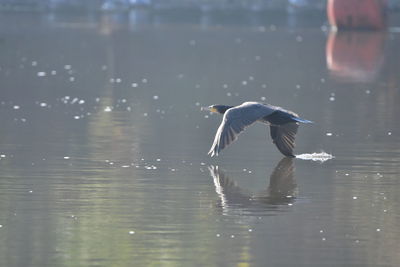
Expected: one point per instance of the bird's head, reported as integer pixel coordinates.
(217, 108)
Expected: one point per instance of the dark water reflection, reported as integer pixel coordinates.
(103, 144)
(233, 199)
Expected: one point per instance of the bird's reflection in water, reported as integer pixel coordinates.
(282, 190)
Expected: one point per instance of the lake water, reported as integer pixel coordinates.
(104, 147)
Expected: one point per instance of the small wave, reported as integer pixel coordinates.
(322, 156)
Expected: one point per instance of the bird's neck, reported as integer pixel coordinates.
(223, 109)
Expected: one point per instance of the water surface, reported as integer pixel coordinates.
(104, 147)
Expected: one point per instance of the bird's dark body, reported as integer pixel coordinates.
(278, 118)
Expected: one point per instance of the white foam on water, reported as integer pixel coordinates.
(322, 156)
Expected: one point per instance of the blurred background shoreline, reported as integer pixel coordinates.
(203, 6)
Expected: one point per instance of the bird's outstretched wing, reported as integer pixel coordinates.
(234, 122)
(283, 137)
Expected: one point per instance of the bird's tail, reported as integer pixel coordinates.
(302, 120)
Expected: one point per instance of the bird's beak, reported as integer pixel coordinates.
(211, 109)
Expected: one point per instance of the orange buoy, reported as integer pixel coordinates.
(357, 14)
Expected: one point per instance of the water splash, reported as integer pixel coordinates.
(322, 156)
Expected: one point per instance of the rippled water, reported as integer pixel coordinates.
(104, 147)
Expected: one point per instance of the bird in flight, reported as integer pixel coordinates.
(283, 125)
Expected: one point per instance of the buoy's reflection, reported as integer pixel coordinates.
(355, 56)
(282, 190)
